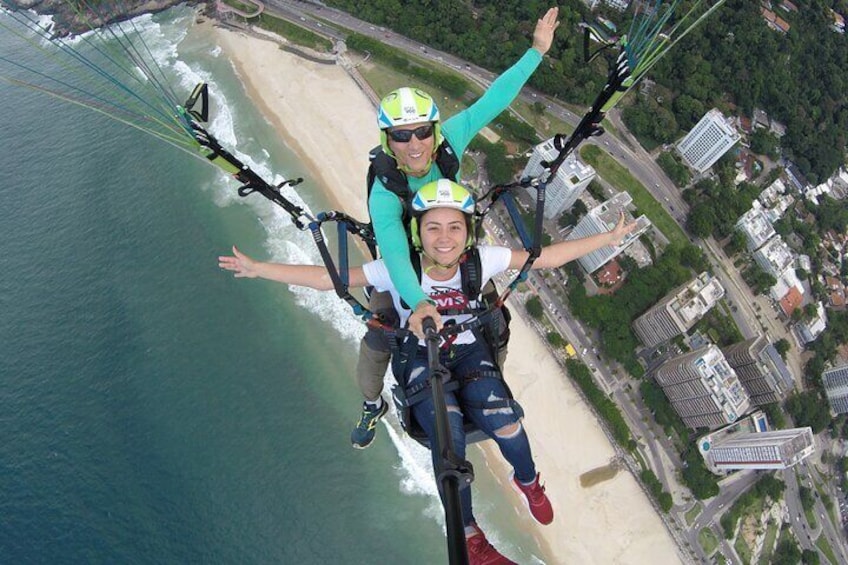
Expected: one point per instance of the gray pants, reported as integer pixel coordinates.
(374, 351)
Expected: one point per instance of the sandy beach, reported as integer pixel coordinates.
(325, 118)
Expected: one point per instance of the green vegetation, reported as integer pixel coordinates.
(695, 475)
(735, 58)
(534, 307)
(605, 407)
(775, 416)
(620, 177)
(787, 551)
(825, 548)
(247, 6)
(555, 339)
(742, 549)
(612, 314)
(763, 142)
(448, 81)
(752, 502)
(708, 540)
(768, 542)
(292, 32)
(650, 117)
(657, 402)
(759, 280)
(674, 168)
(810, 557)
(693, 513)
(717, 205)
(500, 169)
(782, 347)
(655, 487)
(809, 408)
(720, 326)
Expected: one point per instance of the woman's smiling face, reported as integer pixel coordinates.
(444, 235)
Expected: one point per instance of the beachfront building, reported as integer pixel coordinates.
(566, 186)
(711, 138)
(835, 382)
(603, 218)
(703, 389)
(760, 369)
(756, 227)
(677, 312)
(778, 449)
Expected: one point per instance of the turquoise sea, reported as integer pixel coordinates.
(152, 408)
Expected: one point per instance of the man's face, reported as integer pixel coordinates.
(414, 156)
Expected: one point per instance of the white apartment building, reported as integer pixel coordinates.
(756, 227)
(711, 138)
(778, 449)
(563, 190)
(601, 219)
(677, 312)
(703, 389)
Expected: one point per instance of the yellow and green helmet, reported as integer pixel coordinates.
(443, 193)
(406, 106)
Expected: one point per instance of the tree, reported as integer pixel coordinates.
(555, 339)
(534, 307)
(765, 143)
(579, 209)
(701, 220)
(737, 243)
(700, 481)
(809, 409)
(810, 311)
(787, 553)
(810, 557)
(782, 347)
(693, 257)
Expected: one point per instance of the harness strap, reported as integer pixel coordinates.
(420, 391)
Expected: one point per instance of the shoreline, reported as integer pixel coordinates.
(610, 522)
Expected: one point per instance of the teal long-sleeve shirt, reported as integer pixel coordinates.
(385, 207)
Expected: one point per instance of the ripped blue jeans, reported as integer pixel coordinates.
(462, 360)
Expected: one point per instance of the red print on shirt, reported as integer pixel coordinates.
(448, 299)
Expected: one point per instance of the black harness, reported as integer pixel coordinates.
(491, 330)
(385, 168)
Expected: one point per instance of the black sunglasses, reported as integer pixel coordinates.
(404, 135)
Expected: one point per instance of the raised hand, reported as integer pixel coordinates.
(620, 231)
(543, 35)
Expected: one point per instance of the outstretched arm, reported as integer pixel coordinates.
(311, 276)
(461, 128)
(559, 254)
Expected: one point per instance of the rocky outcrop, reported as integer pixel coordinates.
(69, 22)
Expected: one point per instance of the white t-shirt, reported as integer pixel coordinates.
(446, 294)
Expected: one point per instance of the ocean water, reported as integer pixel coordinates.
(153, 409)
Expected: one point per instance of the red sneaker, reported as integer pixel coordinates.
(535, 499)
(481, 552)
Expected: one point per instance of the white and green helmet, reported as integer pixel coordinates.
(443, 193)
(406, 106)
